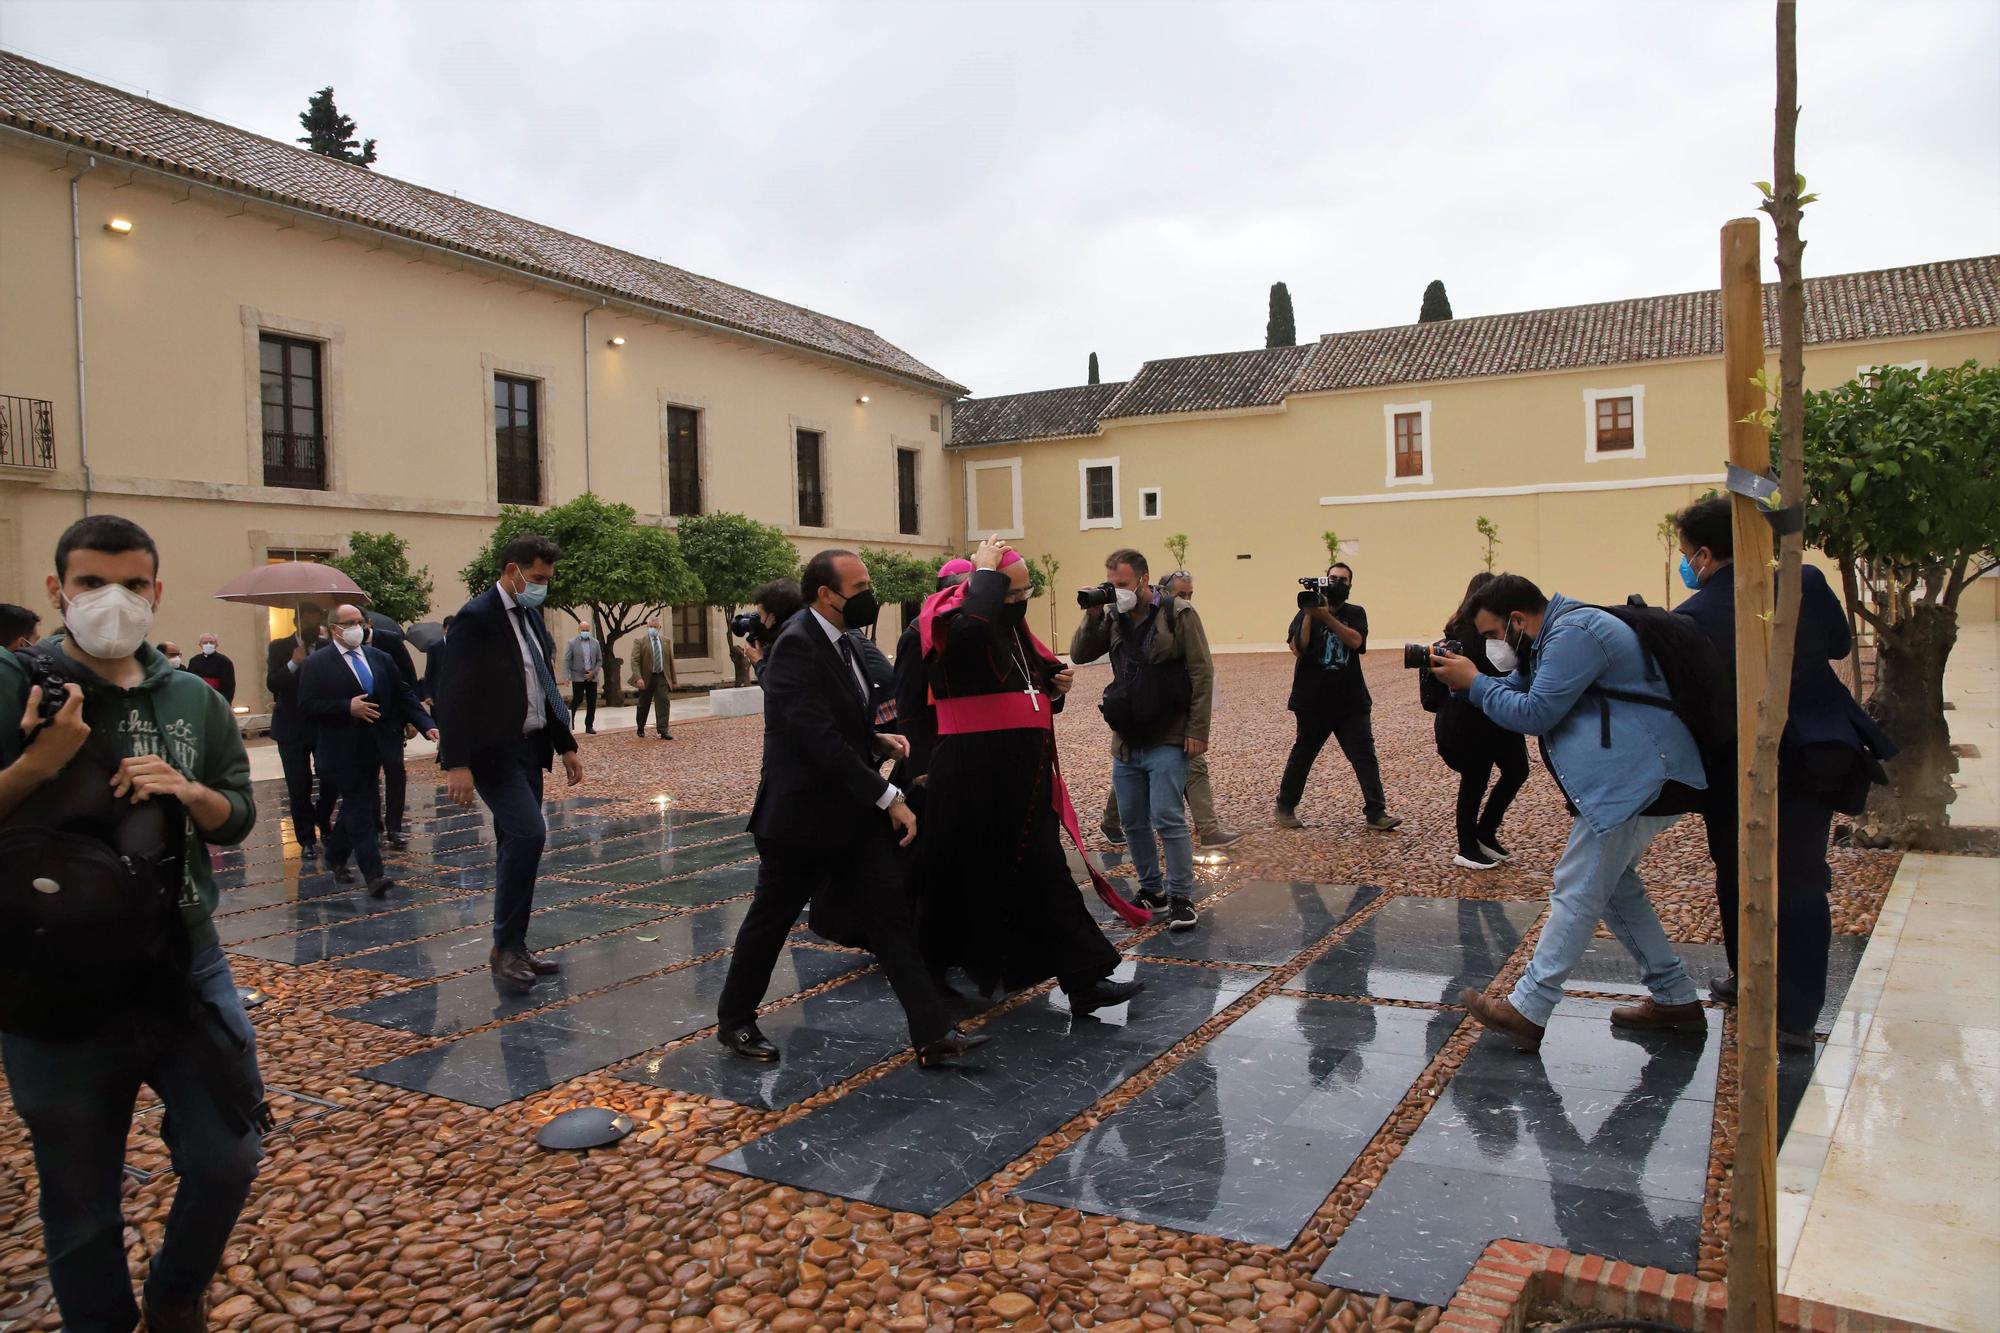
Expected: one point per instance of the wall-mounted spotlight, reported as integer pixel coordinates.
(616, 342)
(862, 399)
(119, 226)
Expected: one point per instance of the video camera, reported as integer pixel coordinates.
(1312, 592)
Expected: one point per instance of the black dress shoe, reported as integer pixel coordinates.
(953, 1043)
(399, 842)
(1723, 989)
(1102, 994)
(308, 856)
(540, 967)
(748, 1043)
(343, 873)
(380, 885)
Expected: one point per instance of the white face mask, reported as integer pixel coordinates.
(109, 622)
(207, 649)
(175, 660)
(353, 636)
(1127, 600)
(1501, 654)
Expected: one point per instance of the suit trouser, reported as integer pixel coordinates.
(789, 875)
(511, 786)
(355, 832)
(1200, 801)
(395, 790)
(1805, 915)
(310, 818)
(583, 699)
(653, 695)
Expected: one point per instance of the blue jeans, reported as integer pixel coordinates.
(1597, 879)
(1154, 782)
(76, 1099)
(512, 789)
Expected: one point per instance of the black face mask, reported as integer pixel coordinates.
(1336, 591)
(1012, 614)
(861, 610)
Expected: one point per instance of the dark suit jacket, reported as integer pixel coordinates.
(821, 777)
(387, 635)
(343, 743)
(482, 695)
(283, 682)
(433, 671)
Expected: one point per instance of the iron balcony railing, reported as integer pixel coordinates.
(294, 460)
(27, 433)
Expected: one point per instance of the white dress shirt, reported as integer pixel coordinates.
(893, 793)
(537, 715)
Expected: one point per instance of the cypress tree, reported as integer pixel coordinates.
(1281, 330)
(331, 134)
(1436, 304)
(1093, 368)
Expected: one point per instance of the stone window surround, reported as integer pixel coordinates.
(899, 445)
(1084, 521)
(795, 424)
(1153, 491)
(1591, 397)
(700, 405)
(1390, 411)
(972, 525)
(544, 376)
(332, 339)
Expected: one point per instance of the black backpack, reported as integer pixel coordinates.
(1698, 692)
(1148, 695)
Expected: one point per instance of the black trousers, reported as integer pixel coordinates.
(1475, 827)
(310, 818)
(355, 832)
(653, 695)
(788, 877)
(395, 791)
(1805, 915)
(583, 699)
(1356, 734)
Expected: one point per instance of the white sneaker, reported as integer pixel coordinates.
(1471, 863)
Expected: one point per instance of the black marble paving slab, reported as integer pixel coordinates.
(442, 955)
(329, 905)
(316, 885)
(1608, 970)
(697, 890)
(1422, 949)
(825, 1039)
(471, 1001)
(1248, 1136)
(534, 1054)
(917, 1139)
(671, 863)
(1262, 922)
(339, 938)
(472, 847)
(1598, 1143)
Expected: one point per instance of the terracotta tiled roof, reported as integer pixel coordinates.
(1046, 414)
(1848, 307)
(60, 106)
(1212, 383)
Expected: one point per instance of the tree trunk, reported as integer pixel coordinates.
(614, 681)
(1908, 702)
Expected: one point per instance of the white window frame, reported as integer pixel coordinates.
(1153, 517)
(1866, 374)
(1083, 519)
(1390, 411)
(972, 471)
(1591, 397)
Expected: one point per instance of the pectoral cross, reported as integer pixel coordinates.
(1034, 701)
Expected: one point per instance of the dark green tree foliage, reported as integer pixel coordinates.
(1437, 305)
(734, 555)
(379, 563)
(331, 134)
(1093, 369)
(1281, 330)
(899, 578)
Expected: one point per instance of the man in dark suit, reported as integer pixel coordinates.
(434, 664)
(650, 653)
(1829, 748)
(384, 633)
(826, 821)
(504, 724)
(358, 702)
(293, 734)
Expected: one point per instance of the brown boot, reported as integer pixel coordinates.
(511, 971)
(163, 1318)
(1650, 1013)
(1502, 1016)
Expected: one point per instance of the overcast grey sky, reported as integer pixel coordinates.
(1001, 188)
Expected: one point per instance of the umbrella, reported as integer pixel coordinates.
(425, 635)
(289, 583)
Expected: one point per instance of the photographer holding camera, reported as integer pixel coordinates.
(1473, 746)
(117, 773)
(1330, 696)
(1158, 706)
(776, 602)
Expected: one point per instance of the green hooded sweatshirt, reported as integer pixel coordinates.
(170, 713)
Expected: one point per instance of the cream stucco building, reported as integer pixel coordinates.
(253, 351)
(1574, 431)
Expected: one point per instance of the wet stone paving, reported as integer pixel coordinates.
(1599, 1143)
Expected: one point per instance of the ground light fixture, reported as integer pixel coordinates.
(119, 226)
(582, 1129)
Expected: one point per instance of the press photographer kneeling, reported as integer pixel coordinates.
(117, 773)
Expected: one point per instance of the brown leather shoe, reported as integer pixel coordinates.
(1650, 1013)
(159, 1317)
(511, 970)
(539, 967)
(1503, 1017)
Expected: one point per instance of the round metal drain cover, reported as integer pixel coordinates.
(584, 1128)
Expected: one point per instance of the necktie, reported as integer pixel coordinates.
(654, 640)
(361, 671)
(551, 696)
(847, 656)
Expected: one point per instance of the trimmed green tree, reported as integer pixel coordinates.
(1049, 567)
(1280, 329)
(898, 578)
(1489, 533)
(614, 571)
(733, 555)
(1437, 306)
(331, 134)
(1177, 547)
(379, 564)
(1902, 488)
(1093, 369)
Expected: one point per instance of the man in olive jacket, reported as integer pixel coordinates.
(1146, 630)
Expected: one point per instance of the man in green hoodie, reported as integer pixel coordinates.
(172, 736)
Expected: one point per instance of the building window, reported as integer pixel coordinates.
(1097, 480)
(690, 631)
(906, 491)
(934, 423)
(517, 440)
(812, 488)
(683, 461)
(294, 431)
(1406, 436)
(1614, 423)
(1149, 502)
(993, 499)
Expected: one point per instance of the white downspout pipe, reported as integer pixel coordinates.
(76, 278)
(586, 389)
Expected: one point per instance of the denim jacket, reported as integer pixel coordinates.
(1581, 646)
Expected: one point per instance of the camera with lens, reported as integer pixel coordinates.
(748, 625)
(43, 669)
(1312, 592)
(1102, 595)
(1417, 656)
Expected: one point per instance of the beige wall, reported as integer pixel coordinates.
(1253, 491)
(172, 314)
